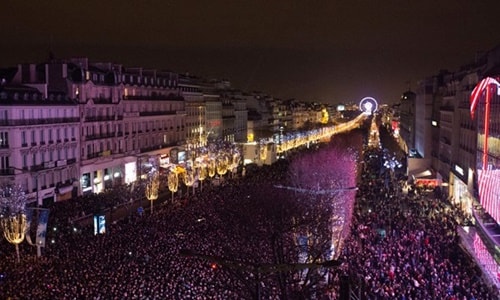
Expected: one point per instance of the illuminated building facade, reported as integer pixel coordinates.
(485, 108)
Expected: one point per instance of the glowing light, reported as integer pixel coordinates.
(368, 105)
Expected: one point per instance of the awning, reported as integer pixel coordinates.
(65, 189)
(422, 173)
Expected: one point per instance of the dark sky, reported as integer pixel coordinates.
(329, 51)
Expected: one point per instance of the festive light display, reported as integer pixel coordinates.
(327, 175)
(173, 182)
(152, 187)
(488, 174)
(12, 216)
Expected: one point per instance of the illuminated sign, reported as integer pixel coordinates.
(459, 170)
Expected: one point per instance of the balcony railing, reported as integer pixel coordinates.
(156, 147)
(38, 121)
(7, 172)
(157, 113)
(99, 136)
(169, 97)
(99, 118)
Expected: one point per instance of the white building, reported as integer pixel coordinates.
(89, 126)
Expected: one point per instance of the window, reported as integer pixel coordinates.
(4, 139)
(4, 162)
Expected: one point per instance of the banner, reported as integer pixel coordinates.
(43, 217)
(29, 218)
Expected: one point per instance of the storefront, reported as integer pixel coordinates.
(460, 196)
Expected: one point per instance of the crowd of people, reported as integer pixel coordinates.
(400, 247)
(407, 246)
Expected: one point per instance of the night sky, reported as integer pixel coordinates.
(327, 51)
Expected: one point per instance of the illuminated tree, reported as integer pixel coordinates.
(211, 167)
(173, 182)
(328, 176)
(188, 179)
(202, 173)
(152, 187)
(12, 216)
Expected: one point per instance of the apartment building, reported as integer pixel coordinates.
(39, 132)
(191, 89)
(464, 145)
(72, 127)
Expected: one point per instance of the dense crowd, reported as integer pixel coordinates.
(406, 245)
(401, 247)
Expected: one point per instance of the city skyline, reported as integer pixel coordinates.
(326, 52)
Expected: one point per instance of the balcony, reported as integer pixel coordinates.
(157, 113)
(102, 100)
(156, 147)
(99, 118)
(98, 154)
(24, 122)
(99, 136)
(169, 97)
(7, 172)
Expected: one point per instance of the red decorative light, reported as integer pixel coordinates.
(488, 178)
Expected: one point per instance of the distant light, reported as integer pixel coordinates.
(368, 105)
(459, 170)
(434, 123)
